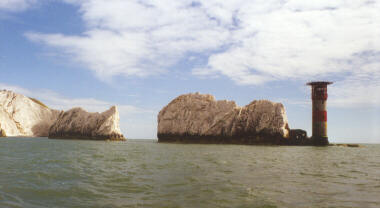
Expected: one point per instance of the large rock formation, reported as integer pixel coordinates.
(80, 124)
(23, 116)
(197, 118)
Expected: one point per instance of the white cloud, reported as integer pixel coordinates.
(106, 52)
(291, 42)
(56, 101)
(361, 89)
(251, 42)
(132, 118)
(132, 38)
(16, 5)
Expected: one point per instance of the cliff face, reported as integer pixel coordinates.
(197, 118)
(23, 116)
(80, 124)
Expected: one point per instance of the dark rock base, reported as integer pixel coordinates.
(113, 137)
(320, 141)
(2, 133)
(261, 139)
(195, 139)
(297, 137)
(346, 145)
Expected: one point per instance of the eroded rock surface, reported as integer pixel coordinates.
(199, 118)
(80, 124)
(23, 116)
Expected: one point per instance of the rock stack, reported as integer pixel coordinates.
(80, 124)
(22, 116)
(199, 118)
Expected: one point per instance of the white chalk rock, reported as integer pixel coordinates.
(200, 118)
(80, 124)
(23, 116)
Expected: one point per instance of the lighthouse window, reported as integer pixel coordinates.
(320, 93)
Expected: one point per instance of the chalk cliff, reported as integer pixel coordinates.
(23, 116)
(80, 124)
(199, 118)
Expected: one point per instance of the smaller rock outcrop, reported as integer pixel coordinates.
(346, 145)
(2, 133)
(299, 137)
(80, 124)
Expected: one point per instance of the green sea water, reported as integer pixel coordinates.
(41, 172)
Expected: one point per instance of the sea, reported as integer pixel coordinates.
(41, 172)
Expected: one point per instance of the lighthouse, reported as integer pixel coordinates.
(319, 98)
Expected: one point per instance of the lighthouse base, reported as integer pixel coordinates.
(320, 141)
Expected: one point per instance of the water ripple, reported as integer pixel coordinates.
(38, 172)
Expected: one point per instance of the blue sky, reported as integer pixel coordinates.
(139, 55)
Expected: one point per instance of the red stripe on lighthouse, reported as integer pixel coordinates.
(320, 116)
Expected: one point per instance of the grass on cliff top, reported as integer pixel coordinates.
(38, 102)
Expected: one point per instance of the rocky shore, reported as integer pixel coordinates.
(189, 118)
(346, 145)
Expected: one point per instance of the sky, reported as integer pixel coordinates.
(141, 54)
